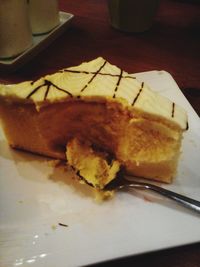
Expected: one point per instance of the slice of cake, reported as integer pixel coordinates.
(103, 105)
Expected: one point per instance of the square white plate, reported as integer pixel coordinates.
(40, 42)
(34, 200)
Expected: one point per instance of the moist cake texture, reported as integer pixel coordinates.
(101, 104)
(95, 167)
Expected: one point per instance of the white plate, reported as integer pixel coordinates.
(40, 42)
(33, 200)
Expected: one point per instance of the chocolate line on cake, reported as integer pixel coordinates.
(100, 73)
(47, 91)
(173, 114)
(136, 98)
(34, 91)
(95, 74)
(48, 84)
(118, 82)
(61, 89)
(173, 109)
(187, 126)
(77, 71)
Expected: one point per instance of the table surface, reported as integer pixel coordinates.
(172, 44)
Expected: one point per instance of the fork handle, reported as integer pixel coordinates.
(183, 200)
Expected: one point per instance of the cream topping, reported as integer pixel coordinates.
(96, 80)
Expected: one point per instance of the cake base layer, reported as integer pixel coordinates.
(145, 147)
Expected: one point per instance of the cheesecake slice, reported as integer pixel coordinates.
(105, 107)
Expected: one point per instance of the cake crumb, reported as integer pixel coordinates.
(101, 196)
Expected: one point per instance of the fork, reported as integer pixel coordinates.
(123, 183)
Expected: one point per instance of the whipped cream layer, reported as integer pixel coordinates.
(97, 80)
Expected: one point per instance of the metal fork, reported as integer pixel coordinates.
(123, 183)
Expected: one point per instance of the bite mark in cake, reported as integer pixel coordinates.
(96, 167)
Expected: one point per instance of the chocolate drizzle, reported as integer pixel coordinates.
(118, 82)
(99, 73)
(173, 109)
(48, 84)
(138, 94)
(95, 74)
(187, 126)
(47, 90)
(34, 91)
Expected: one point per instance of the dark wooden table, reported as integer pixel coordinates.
(172, 44)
